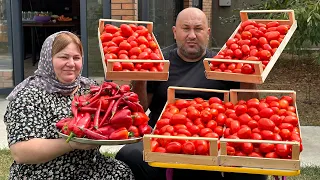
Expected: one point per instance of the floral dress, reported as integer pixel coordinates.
(33, 114)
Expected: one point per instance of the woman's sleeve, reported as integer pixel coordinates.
(25, 119)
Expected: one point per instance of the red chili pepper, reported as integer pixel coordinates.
(131, 106)
(121, 133)
(108, 112)
(122, 118)
(96, 116)
(88, 109)
(115, 107)
(144, 129)
(93, 135)
(139, 106)
(105, 130)
(94, 89)
(133, 131)
(113, 97)
(95, 97)
(132, 97)
(84, 98)
(93, 104)
(125, 88)
(62, 122)
(84, 122)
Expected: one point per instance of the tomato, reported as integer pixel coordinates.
(183, 131)
(212, 135)
(117, 39)
(277, 137)
(227, 132)
(276, 119)
(272, 35)
(255, 154)
(262, 41)
(179, 126)
(285, 134)
(143, 55)
(246, 35)
(266, 113)
(188, 148)
(167, 129)
(205, 116)
(256, 136)
(282, 29)
(181, 103)
(253, 111)
(253, 52)
(283, 104)
(215, 100)
(194, 129)
(247, 22)
(211, 124)
(264, 54)
(234, 126)
(291, 109)
(274, 43)
(135, 51)
(160, 149)
(133, 44)
(240, 109)
(244, 118)
(247, 69)
(244, 133)
(219, 107)
(178, 119)
(231, 150)
(267, 135)
(253, 124)
(173, 147)
(154, 145)
(231, 143)
(247, 147)
(154, 56)
(193, 114)
(291, 119)
(162, 122)
(271, 155)
(295, 137)
(230, 41)
(286, 126)
(229, 111)
(106, 37)
(126, 65)
(204, 131)
(282, 150)
(219, 130)
(162, 141)
(111, 28)
(267, 47)
(126, 30)
(266, 124)
(245, 49)
(273, 24)
(221, 118)
(288, 99)
(266, 148)
(202, 147)
(117, 66)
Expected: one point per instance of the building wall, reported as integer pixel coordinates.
(124, 9)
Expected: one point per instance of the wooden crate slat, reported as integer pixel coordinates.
(259, 162)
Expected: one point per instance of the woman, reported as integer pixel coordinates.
(38, 103)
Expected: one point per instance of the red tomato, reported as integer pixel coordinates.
(221, 118)
(244, 133)
(173, 147)
(246, 35)
(247, 148)
(194, 129)
(230, 41)
(105, 37)
(212, 124)
(219, 130)
(288, 98)
(178, 119)
(282, 150)
(162, 122)
(126, 30)
(255, 154)
(189, 148)
(202, 147)
(256, 136)
(183, 131)
(117, 66)
(143, 55)
(273, 24)
(271, 155)
(285, 134)
(231, 150)
(135, 51)
(193, 114)
(264, 54)
(272, 35)
(282, 29)
(267, 135)
(291, 119)
(247, 69)
(160, 149)
(266, 124)
(153, 45)
(244, 119)
(234, 126)
(240, 109)
(286, 126)
(111, 28)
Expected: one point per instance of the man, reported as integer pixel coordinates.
(186, 69)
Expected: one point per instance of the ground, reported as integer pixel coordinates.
(301, 74)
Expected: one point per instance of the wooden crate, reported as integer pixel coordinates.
(260, 75)
(149, 156)
(265, 163)
(132, 75)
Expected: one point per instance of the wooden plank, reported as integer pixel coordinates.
(180, 137)
(136, 75)
(261, 91)
(179, 158)
(267, 11)
(258, 141)
(270, 163)
(170, 95)
(126, 21)
(234, 77)
(198, 89)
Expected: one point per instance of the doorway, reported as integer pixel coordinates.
(62, 15)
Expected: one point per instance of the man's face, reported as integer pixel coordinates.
(192, 35)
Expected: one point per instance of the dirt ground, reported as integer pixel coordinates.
(301, 74)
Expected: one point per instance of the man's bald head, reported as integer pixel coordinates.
(192, 34)
(191, 12)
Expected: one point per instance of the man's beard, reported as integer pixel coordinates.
(191, 55)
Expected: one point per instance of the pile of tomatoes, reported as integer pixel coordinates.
(270, 118)
(130, 41)
(254, 42)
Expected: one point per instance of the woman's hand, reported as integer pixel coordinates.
(81, 146)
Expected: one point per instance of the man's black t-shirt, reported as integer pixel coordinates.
(184, 74)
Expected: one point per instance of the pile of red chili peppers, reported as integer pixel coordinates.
(107, 112)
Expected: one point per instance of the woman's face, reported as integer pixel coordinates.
(67, 64)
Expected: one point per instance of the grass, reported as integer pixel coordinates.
(307, 173)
